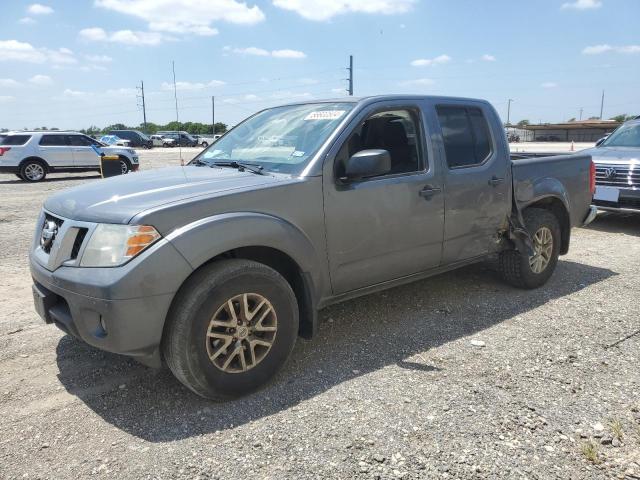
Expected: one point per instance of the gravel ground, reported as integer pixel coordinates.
(457, 376)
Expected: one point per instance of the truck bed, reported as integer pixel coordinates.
(567, 176)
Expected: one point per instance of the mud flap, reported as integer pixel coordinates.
(517, 231)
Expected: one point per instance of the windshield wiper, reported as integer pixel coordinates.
(198, 162)
(241, 166)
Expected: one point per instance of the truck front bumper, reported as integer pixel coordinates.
(101, 307)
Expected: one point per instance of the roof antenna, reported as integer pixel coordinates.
(175, 96)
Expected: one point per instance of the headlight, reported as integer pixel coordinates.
(112, 245)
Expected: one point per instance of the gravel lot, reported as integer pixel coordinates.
(458, 376)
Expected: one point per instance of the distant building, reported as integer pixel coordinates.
(578, 131)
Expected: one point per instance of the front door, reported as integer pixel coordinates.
(477, 179)
(390, 226)
(83, 153)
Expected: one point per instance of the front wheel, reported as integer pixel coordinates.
(231, 328)
(125, 166)
(531, 271)
(205, 144)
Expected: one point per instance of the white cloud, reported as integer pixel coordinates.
(41, 80)
(68, 93)
(287, 53)
(14, 50)
(339, 91)
(127, 37)
(582, 4)
(39, 9)
(288, 95)
(6, 98)
(549, 85)
(327, 9)
(8, 82)
(27, 21)
(488, 58)
(261, 52)
(99, 58)
(418, 82)
(192, 86)
(598, 49)
(186, 16)
(429, 62)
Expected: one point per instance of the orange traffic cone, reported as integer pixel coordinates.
(573, 147)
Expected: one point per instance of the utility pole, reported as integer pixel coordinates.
(509, 111)
(213, 115)
(581, 113)
(350, 90)
(602, 105)
(144, 108)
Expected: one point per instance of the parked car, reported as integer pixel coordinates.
(617, 160)
(163, 141)
(182, 139)
(32, 155)
(115, 141)
(205, 140)
(217, 266)
(136, 138)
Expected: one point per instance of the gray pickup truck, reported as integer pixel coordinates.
(216, 267)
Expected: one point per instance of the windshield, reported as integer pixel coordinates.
(625, 136)
(143, 135)
(281, 139)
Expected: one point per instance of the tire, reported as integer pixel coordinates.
(33, 170)
(204, 144)
(125, 165)
(191, 340)
(19, 176)
(522, 271)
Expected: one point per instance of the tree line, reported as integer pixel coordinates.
(195, 128)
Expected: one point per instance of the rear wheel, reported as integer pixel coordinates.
(230, 329)
(33, 171)
(19, 176)
(524, 271)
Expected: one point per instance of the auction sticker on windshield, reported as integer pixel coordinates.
(325, 115)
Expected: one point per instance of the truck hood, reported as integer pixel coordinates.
(613, 154)
(118, 199)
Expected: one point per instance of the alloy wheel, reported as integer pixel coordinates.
(34, 172)
(241, 333)
(543, 250)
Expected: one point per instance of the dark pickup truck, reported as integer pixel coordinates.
(216, 267)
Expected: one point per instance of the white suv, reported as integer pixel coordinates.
(31, 155)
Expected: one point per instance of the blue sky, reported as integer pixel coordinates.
(72, 64)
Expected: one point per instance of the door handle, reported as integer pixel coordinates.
(495, 181)
(428, 192)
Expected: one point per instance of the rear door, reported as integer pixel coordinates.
(54, 148)
(476, 177)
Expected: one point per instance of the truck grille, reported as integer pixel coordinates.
(50, 227)
(618, 176)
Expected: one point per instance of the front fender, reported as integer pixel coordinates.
(209, 237)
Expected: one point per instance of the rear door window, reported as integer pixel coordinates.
(465, 135)
(54, 140)
(15, 140)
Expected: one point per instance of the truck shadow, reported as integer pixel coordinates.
(397, 327)
(611, 222)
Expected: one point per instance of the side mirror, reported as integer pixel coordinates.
(367, 163)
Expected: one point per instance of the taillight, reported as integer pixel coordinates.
(592, 178)
(4, 149)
